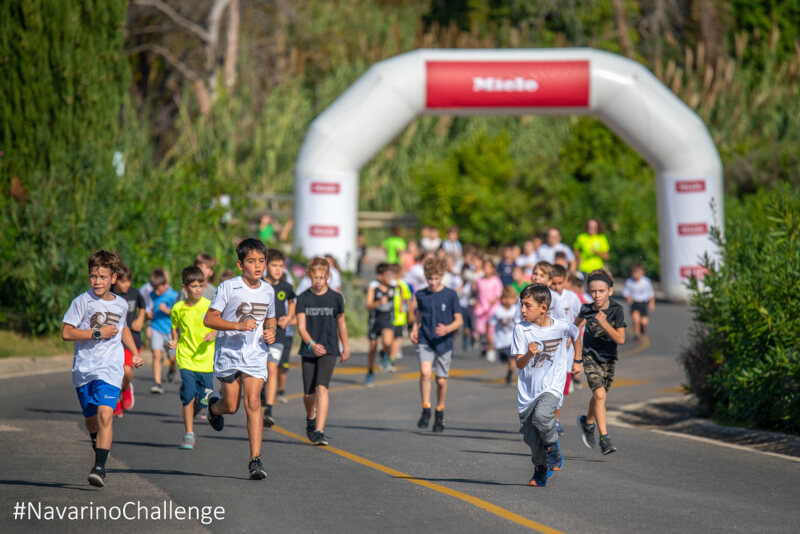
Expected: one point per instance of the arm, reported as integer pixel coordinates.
(270, 325)
(163, 308)
(577, 368)
(213, 319)
(652, 303)
(174, 341)
(414, 335)
(342, 327)
(371, 304)
(443, 329)
(523, 359)
(617, 335)
(127, 341)
(317, 348)
(138, 323)
(70, 333)
(490, 335)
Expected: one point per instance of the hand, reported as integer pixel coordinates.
(344, 356)
(414, 336)
(283, 322)
(249, 325)
(652, 306)
(108, 331)
(533, 347)
(269, 336)
(577, 368)
(211, 336)
(136, 326)
(318, 349)
(601, 318)
(138, 361)
(172, 344)
(441, 329)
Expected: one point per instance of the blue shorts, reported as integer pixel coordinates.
(97, 393)
(194, 385)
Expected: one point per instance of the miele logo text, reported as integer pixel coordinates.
(509, 85)
(697, 270)
(325, 188)
(693, 229)
(690, 186)
(318, 230)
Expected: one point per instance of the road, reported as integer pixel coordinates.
(381, 473)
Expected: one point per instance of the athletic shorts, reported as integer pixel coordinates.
(97, 393)
(128, 358)
(317, 372)
(275, 353)
(378, 323)
(195, 385)
(504, 354)
(441, 362)
(287, 352)
(398, 331)
(159, 340)
(641, 307)
(598, 374)
(230, 379)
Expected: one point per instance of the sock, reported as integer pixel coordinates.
(604, 436)
(440, 408)
(280, 393)
(100, 457)
(268, 409)
(426, 405)
(94, 439)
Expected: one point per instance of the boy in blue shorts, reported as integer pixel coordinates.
(95, 321)
(195, 349)
(161, 328)
(243, 313)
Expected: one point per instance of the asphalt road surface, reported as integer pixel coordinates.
(380, 473)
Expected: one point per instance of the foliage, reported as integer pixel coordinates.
(745, 359)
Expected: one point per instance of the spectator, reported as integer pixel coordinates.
(591, 247)
(394, 246)
(547, 252)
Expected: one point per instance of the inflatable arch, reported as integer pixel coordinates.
(619, 91)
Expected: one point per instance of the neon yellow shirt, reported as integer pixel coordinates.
(193, 353)
(589, 246)
(400, 313)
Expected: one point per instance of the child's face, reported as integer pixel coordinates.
(434, 281)
(637, 274)
(275, 269)
(195, 290)
(319, 279)
(385, 278)
(540, 277)
(600, 292)
(123, 285)
(160, 290)
(562, 262)
(507, 302)
(488, 269)
(253, 265)
(101, 279)
(508, 253)
(557, 284)
(517, 274)
(452, 235)
(531, 311)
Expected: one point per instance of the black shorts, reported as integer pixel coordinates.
(230, 379)
(398, 331)
(641, 307)
(504, 354)
(378, 323)
(287, 352)
(317, 372)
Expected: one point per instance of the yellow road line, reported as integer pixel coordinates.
(480, 503)
(645, 343)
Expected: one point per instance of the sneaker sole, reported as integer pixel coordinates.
(269, 421)
(96, 480)
(584, 439)
(533, 483)
(187, 447)
(258, 475)
(609, 451)
(321, 444)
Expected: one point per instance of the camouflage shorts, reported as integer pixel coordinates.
(598, 374)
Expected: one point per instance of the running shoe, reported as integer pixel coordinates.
(606, 447)
(390, 367)
(555, 460)
(118, 410)
(156, 389)
(587, 432)
(188, 441)
(268, 419)
(128, 399)
(171, 374)
(384, 361)
(97, 476)
(282, 398)
(438, 422)
(425, 418)
(539, 476)
(319, 438)
(509, 374)
(203, 415)
(559, 428)
(311, 428)
(257, 471)
(217, 422)
(370, 381)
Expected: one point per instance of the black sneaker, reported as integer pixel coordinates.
(268, 419)
(509, 374)
(156, 389)
(97, 476)
(555, 460)
(171, 374)
(319, 438)
(425, 418)
(539, 476)
(216, 421)
(587, 432)
(438, 422)
(606, 447)
(311, 428)
(257, 471)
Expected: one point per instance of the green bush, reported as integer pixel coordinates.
(744, 361)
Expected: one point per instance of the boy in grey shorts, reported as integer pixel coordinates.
(438, 317)
(161, 328)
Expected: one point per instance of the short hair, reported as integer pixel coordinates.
(509, 292)
(318, 263)
(574, 279)
(637, 267)
(105, 258)
(274, 254)
(205, 259)
(192, 274)
(560, 254)
(559, 271)
(158, 278)
(452, 229)
(545, 267)
(600, 275)
(249, 245)
(226, 274)
(433, 266)
(382, 268)
(396, 268)
(540, 294)
(124, 272)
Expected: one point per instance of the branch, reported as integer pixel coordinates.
(167, 55)
(176, 17)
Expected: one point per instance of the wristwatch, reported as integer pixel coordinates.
(578, 361)
(97, 334)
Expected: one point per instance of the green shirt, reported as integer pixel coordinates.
(193, 353)
(589, 246)
(519, 287)
(392, 245)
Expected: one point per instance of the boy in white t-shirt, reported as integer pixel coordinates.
(95, 321)
(540, 349)
(243, 313)
(501, 329)
(638, 291)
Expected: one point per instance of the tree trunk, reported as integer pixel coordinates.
(622, 28)
(232, 48)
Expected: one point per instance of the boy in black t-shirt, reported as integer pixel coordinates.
(135, 321)
(380, 303)
(278, 359)
(320, 322)
(605, 331)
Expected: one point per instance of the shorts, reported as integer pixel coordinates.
(317, 372)
(598, 374)
(97, 393)
(398, 331)
(159, 340)
(286, 354)
(504, 354)
(378, 323)
(275, 353)
(128, 358)
(441, 362)
(641, 307)
(195, 385)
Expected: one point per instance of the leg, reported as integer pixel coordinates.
(544, 418)
(645, 321)
(441, 392)
(188, 416)
(229, 403)
(387, 336)
(91, 424)
(373, 345)
(598, 407)
(127, 377)
(283, 373)
(425, 372)
(531, 437)
(310, 402)
(272, 382)
(397, 346)
(104, 418)
(322, 407)
(309, 388)
(157, 356)
(252, 407)
(637, 319)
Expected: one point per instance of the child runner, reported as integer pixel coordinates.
(570, 308)
(321, 324)
(195, 349)
(96, 322)
(135, 321)
(243, 311)
(638, 291)
(605, 331)
(380, 303)
(403, 313)
(540, 349)
(438, 317)
(542, 273)
(161, 328)
(501, 329)
(278, 362)
(487, 298)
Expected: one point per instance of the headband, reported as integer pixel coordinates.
(601, 277)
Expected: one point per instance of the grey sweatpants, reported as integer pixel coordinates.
(538, 426)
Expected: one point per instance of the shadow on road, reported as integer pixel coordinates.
(58, 485)
(171, 472)
(462, 480)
